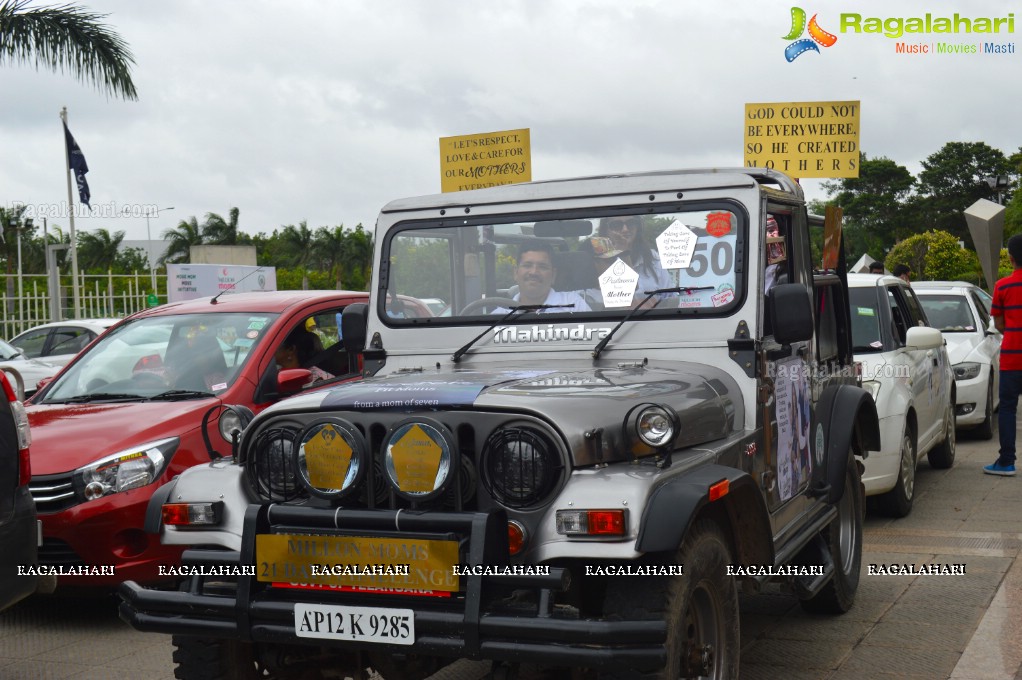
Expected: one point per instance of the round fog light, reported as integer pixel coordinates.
(93, 490)
(655, 426)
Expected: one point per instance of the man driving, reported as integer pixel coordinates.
(535, 275)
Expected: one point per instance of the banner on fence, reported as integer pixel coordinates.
(188, 281)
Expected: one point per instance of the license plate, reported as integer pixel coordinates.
(362, 624)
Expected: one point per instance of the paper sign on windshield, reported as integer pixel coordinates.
(617, 284)
(676, 245)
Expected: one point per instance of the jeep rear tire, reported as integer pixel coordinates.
(844, 541)
(700, 608)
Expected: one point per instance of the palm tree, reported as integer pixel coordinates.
(358, 257)
(99, 249)
(187, 234)
(298, 248)
(218, 231)
(67, 38)
(329, 245)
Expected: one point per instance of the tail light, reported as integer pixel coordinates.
(24, 435)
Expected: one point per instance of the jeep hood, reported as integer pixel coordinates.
(705, 398)
(68, 436)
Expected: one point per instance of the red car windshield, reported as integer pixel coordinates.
(201, 353)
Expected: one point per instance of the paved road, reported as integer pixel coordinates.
(961, 627)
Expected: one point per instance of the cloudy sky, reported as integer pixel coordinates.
(325, 111)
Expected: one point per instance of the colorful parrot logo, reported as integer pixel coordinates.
(798, 26)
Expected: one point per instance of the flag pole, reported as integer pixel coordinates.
(71, 220)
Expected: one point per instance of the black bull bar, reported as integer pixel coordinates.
(468, 628)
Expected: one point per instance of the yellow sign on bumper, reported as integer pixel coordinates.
(357, 561)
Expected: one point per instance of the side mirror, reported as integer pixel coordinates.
(791, 313)
(292, 380)
(354, 320)
(923, 337)
(991, 327)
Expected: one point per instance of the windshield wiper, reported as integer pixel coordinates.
(174, 395)
(96, 396)
(456, 357)
(649, 295)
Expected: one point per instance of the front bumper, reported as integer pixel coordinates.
(478, 623)
(971, 393)
(105, 535)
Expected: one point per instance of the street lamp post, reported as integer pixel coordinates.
(998, 184)
(149, 245)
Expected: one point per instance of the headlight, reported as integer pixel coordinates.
(234, 419)
(418, 459)
(332, 458)
(967, 370)
(655, 426)
(129, 469)
(650, 428)
(873, 387)
(270, 465)
(520, 466)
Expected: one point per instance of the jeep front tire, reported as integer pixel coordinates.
(700, 608)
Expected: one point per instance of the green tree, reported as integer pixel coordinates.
(298, 248)
(329, 245)
(187, 234)
(67, 38)
(954, 178)
(357, 261)
(98, 250)
(874, 205)
(220, 232)
(932, 256)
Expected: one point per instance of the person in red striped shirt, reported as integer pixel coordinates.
(1007, 312)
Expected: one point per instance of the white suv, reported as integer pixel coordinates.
(962, 313)
(905, 366)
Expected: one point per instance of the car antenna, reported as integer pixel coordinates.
(213, 301)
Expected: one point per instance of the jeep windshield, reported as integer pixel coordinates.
(597, 264)
(172, 357)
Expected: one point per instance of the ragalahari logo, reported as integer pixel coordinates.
(817, 36)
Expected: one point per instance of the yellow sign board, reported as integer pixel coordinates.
(485, 160)
(357, 561)
(416, 460)
(327, 457)
(804, 139)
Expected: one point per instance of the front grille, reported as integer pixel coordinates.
(267, 452)
(56, 552)
(53, 493)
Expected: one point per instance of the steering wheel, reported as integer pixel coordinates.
(483, 303)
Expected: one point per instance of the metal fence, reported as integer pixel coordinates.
(103, 295)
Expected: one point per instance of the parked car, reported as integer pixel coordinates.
(125, 416)
(905, 366)
(961, 311)
(18, 526)
(60, 341)
(25, 374)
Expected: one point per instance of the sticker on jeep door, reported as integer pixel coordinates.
(791, 400)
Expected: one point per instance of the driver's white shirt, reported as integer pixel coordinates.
(556, 297)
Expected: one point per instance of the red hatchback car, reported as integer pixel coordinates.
(126, 416)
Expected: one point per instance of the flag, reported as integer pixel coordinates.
(78, 164)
